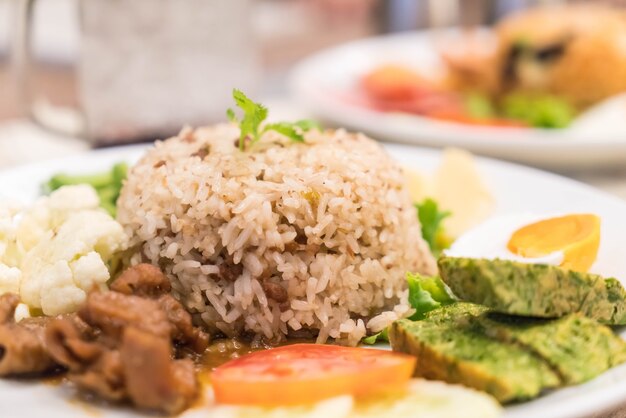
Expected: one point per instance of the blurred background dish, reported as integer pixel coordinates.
(137, 71)
(326, 83)
(528, 88)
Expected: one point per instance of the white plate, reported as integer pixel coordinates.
(319, 81)
(516, 189)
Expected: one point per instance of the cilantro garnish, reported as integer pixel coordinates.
(381, 336)
(254, 114)
(425, 294)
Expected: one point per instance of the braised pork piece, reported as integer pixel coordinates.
(22, 346)
(127, 344)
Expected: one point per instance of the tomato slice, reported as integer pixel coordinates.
(393, 82)
(306, 373)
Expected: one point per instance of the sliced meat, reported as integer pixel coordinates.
(123, 350)
(22, 350)
(148, 281)
(91, 366)
(183, 332)
(8, 303)
(121, 345)
(68, 345)
(142, 280)
(104, 377)
(22, 347)
(111, 312)
(153, 380)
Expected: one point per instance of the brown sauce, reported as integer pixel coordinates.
(223, 350)
(219, 352)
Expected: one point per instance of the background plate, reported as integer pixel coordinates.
(321, 81)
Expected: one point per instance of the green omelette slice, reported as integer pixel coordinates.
(448, 348)
(577, 348)
(535, 290)
(512, 358)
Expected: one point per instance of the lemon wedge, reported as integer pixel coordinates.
(576, 236)
(457, 186)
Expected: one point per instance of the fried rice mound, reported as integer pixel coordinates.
(281, 239)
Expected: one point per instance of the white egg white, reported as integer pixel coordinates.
(489, 240)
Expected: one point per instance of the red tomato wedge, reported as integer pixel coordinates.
(393, 82)
(306, 373)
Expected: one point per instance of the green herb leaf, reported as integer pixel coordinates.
(230, 114)
(287, 129)
(427, 294)
(308, 124)
(431, 218)
(254, 114)
(381, 336)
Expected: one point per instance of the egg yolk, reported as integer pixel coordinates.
(577, 236)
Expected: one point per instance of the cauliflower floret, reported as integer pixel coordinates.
(59, 294)
(87, 231)
(9, 279)
(89, 271)
(59, 249)
(87, 240)
(49, 212)
(68, 199)
(8, 229)
(35, 223)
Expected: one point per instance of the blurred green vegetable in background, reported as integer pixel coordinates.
(479, 106)
(107, 184)
(540, 111)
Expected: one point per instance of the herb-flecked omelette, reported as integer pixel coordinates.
(535, 290)
(449, 349)
(512, 358)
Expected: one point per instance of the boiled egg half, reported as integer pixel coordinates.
(569, 241)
